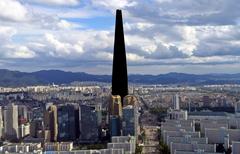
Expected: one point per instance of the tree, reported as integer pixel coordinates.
(138, 149)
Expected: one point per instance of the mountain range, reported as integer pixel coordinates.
(10, 78)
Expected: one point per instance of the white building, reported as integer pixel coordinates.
(128, 143)
(176, 105)
(177, 114)
(58, 146)
(24, 130)
(191, 147)
(11, 122)
(235, 147)
(1, 123)
(21, 148)
(218, 135)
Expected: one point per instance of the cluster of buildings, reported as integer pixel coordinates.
(58, 127)
(62, 124)
(202, 132)
(123, 119)
(118, 145)
(59, 123)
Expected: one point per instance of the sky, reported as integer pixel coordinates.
(161, 36)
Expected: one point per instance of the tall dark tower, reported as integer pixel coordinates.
(119, 71)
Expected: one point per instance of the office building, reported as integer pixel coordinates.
(88, 124)
(68, 118)
(115, 125)
(115, 106)
(130, 100)
(130, 121)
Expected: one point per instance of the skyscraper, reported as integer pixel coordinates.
(50, 122)
(88, 124)
(22, 114)
(130, 100)
(1, 122)
(11, 122)
(68, 118)
(176, 102)
(115, 107)
(115, 125)
(130, 121)
(119, 71)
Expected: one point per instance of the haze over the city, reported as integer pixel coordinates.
(161, 36)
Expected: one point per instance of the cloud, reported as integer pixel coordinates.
(58, 2)
(6, 33)
(80, 34)
(114, 4)
(201, 12)
(63, 24)
(218, 41)
(20, 52)
(12, 10)
(134, 57)
(62, 49)
(12, 51)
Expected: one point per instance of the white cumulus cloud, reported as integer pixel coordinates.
(58, 2)
(12, 10)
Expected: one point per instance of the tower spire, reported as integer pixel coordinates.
(119, 71)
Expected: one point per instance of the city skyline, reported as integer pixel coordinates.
(161, 36)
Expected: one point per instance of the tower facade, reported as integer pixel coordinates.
(130, 100)
(88, 124)
(116, 106)
(119, 71)
(130, 121)
(67, 122)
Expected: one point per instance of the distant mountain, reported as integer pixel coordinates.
(16, 78)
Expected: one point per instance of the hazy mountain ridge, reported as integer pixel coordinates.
(17, 78)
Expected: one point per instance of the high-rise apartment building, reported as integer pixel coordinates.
(237, 108)
(176, 102)
(1, 122)
(11, 122)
